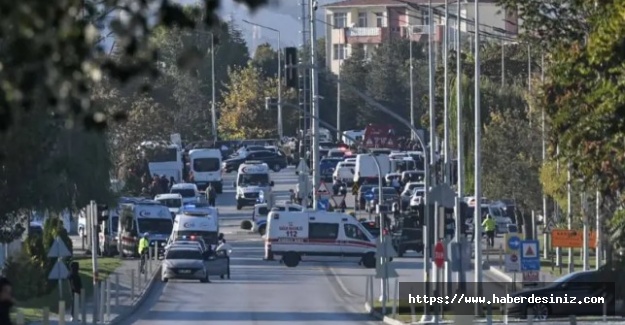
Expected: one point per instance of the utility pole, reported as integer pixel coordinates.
(599, 246)
(431, 93)
(544, 154)
(304, 83)
(213, 95)
(569, 211)
(446, 96)
(92, 214)
(478, 162)
(314, 99)
(339, 134)
(459, 139)
(585, 245)
(413, 136)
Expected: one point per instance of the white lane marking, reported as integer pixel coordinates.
(340, 282)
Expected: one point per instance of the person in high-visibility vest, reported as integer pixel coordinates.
(490, 225)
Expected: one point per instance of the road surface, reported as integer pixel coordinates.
(259, 292)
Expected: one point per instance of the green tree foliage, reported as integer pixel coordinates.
(243, 114)
(354, 71)
(511, 152)
(266, 59)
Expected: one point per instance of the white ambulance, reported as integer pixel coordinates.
(189, 225)
(294, 235)
(252, 180)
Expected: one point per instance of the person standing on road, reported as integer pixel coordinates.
(211, 195)
(6, 301)
(490, 225)
(144, 246)
(75, 284)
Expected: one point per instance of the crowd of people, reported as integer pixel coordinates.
(155, 185)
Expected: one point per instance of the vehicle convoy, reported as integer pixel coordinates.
(252, 179)
(202, 223)
(261, 210)
(206, 168)
(163, 158)
(138, 216)
(173, 201)
(295, 235)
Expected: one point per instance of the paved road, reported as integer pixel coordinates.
(259, 292)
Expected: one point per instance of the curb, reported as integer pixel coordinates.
(137, 302)
(379, 316)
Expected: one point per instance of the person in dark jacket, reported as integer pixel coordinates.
(6, 301)
(76, 285)
(211, 195)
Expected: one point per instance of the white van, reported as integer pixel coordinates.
(206, 227)
(293, 235)
(345, 171)
(259, 216)
(206, 168)
(366, 168)
(189, 192)
(252, 179)
(173, 201)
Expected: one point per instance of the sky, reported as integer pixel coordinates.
(282, 15)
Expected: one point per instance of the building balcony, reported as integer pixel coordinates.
(420, 33)
(366, 35)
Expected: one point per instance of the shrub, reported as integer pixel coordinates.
(246, 225)
(27, 277)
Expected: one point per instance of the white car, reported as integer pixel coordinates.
(417, 198)
(345, 172)
(406, 193)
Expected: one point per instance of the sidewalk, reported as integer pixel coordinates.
(122, 294)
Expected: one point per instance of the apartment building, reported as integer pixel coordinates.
(367, 23)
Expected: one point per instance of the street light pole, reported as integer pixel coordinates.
(315, 100)
(446, 96)
(339, 134)
(478, 177)
(412, 113)
(280, 124)
(213, 95)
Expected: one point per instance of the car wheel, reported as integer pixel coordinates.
(262, 230)
(165, 280)
(537, 311)
(368, 260)
(221, 276)
(276, 168)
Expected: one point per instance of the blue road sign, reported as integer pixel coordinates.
(323, 204)
(530, 255)
(514, 242)
(369, 195)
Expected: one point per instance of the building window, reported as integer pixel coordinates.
(362, 19)
(339, 20)
(379, 20)
(339, 51)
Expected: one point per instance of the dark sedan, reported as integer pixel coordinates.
(275, 161)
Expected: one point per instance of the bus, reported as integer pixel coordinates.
(163, 159)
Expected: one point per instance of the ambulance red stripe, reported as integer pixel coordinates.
(305, 241)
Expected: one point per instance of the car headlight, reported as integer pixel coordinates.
(163, 244)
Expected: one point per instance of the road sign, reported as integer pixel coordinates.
(513, 263)
(324, 191)
(531, 276)
(302, 167)
(439, 255)
(323, 204)
(564, 238)
(387, 269)
(514, 242)
(443, 194)
(550, 226)
(530, 258)
(386, 249)
(58, 249)
(369, 195)
(59, 271)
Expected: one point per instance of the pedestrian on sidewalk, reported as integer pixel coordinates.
(76, 285)
(6, 301)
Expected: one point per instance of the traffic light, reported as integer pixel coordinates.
(291, 77)
(103, 213)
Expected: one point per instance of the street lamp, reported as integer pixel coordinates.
(280, 128)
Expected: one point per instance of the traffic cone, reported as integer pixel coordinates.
(268, 253)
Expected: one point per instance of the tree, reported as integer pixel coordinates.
(512, 159)
(266, 59)
(243, 114)
(354, 71)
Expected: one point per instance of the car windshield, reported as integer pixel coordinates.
(155, 226)
(206, 164)
(184, 192)
(254, 180)
(171, 203)
(418, 192)
(496, 212)
(183, 254)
